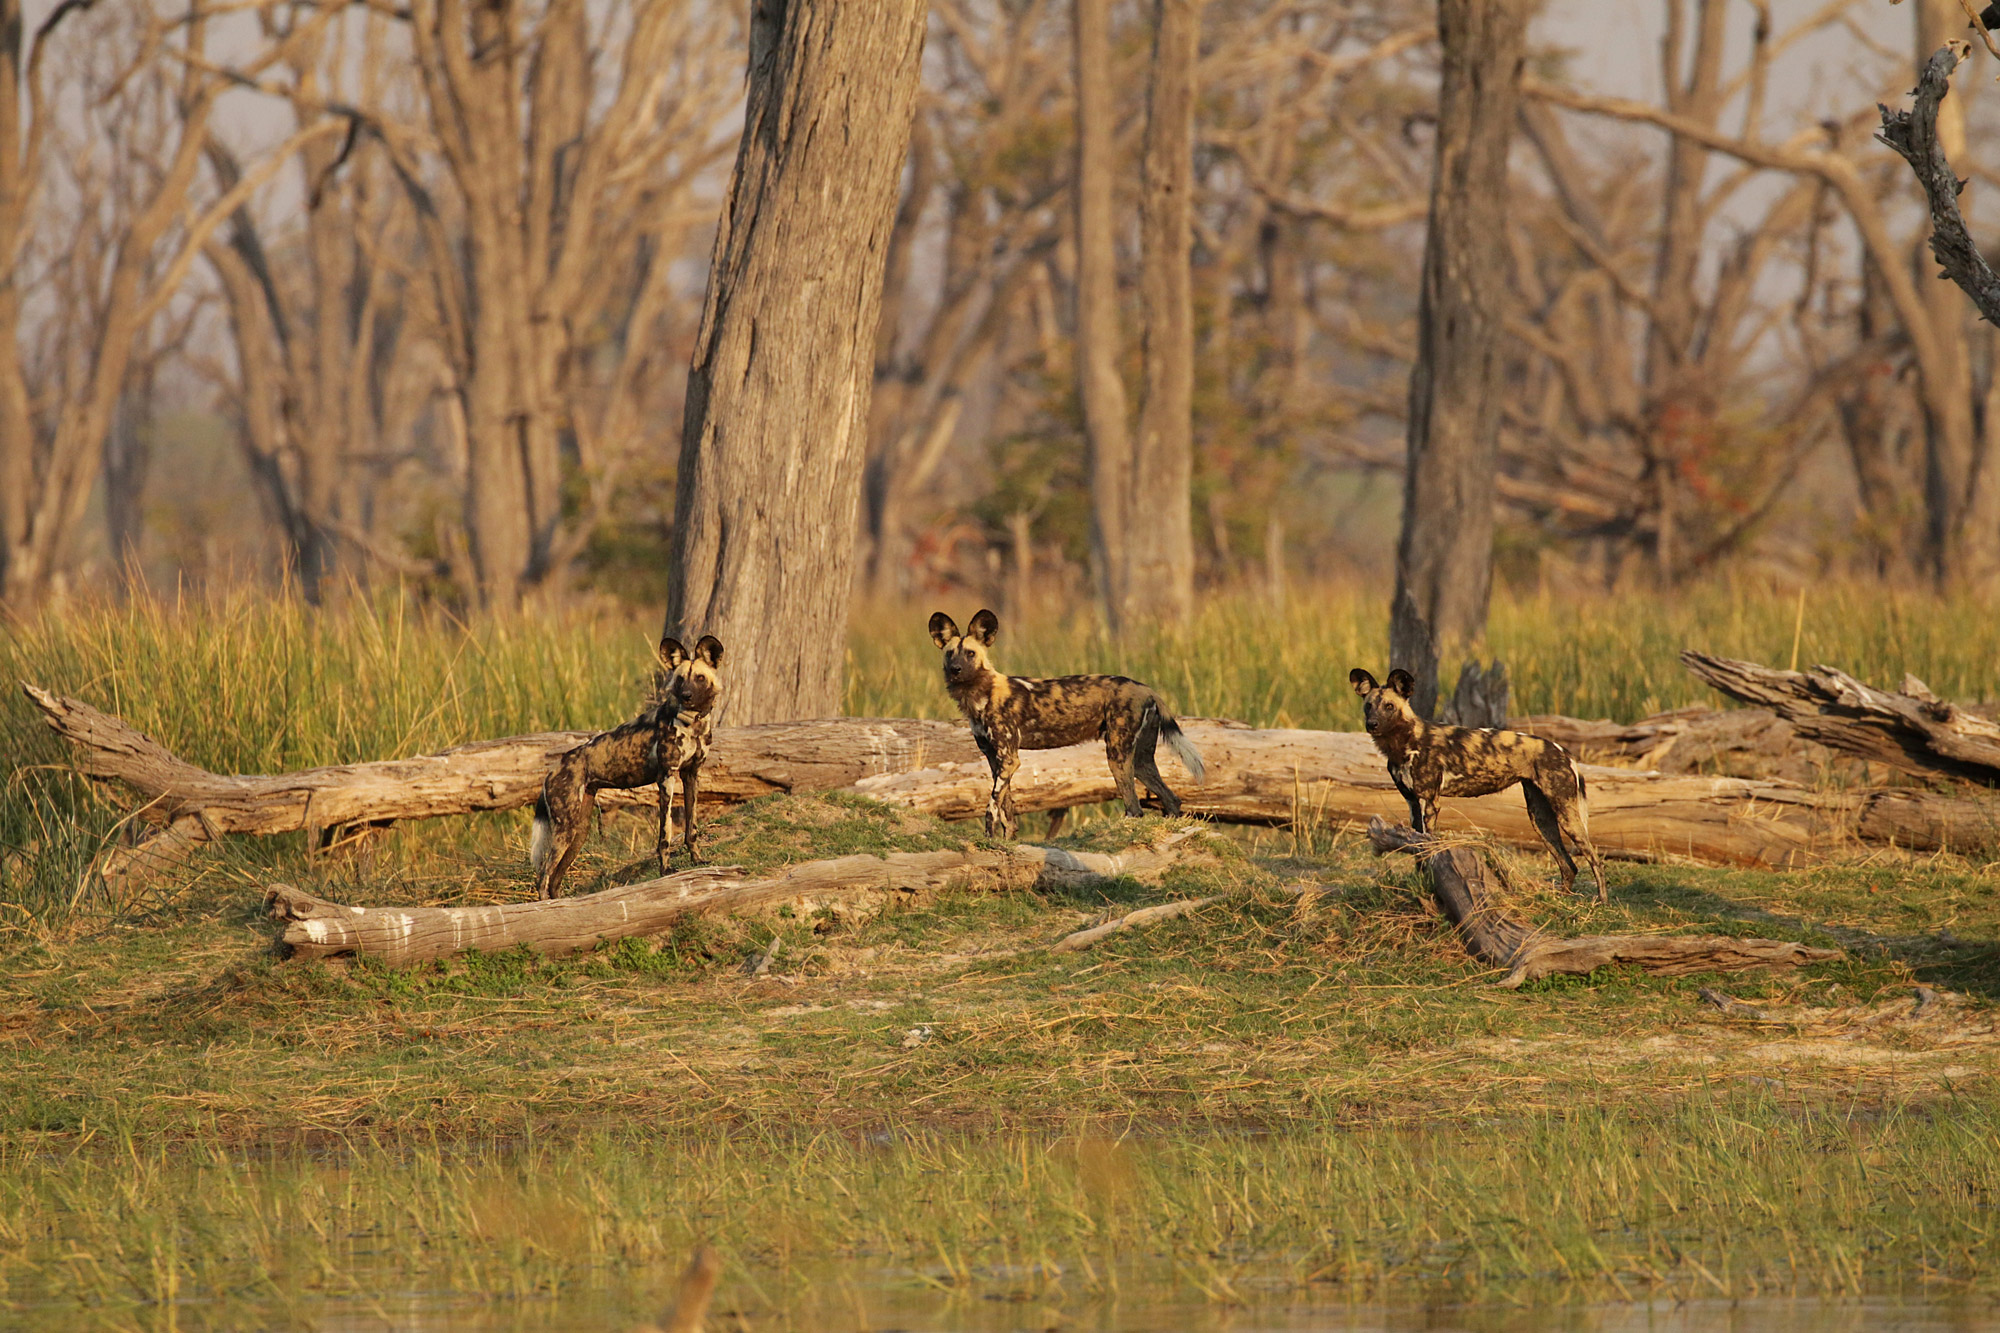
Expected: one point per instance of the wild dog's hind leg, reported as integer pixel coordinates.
(690, 803)
(1146, 765)
(566, 806)
(1564, 785)
(1118, 752)
(1544, 815)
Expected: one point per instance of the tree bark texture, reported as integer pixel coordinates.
(399, 936)
(1444, 560)
(776, 424)
(1462, 885)
(1159, 534)
(1952, 440)
(1254, 776)
(1914, 730)
(1099, 345)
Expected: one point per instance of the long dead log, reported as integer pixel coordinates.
(1256, 776)
(743, 763)
(398, 936)
(1736, 742)
(1459, 878)
(1913, 730)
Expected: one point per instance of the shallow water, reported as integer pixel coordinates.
(883, 1311)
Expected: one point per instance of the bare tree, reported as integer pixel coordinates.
(776, 423)
(1099, 344)
(1159, 532)
(124, 254)
(1444, 560)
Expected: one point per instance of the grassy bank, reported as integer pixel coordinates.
(1308, 1090)
(1736, 1195)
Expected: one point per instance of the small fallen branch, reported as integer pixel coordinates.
(1913, 730)
(1459, 882)
(1144, 916)
(398, 936)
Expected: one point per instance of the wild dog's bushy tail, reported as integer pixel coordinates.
(540, 840)
(1183, 748)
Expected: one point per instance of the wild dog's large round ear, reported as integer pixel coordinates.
(1402, 682)
(1360, 680)
(942, 627)
(983, 627)
(709, 650)
(671, 653)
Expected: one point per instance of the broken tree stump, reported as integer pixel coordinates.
(1912, 730)
(398, 936)
(1460, 883)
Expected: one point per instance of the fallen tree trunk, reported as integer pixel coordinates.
(1278, 776)
(399, 936)
(1459, 881)
(1914, 730)
(1272, 776)
(1736, 742)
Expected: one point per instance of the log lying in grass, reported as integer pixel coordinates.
(399, 936)
(1254, 776)
(1743, 742)
(1460, 882)
(1913, 730)
(1274, 776)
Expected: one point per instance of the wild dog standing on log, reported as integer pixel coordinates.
(1014, 713)
(1427, 761)
(667, 740)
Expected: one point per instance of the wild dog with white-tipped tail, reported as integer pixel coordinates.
(1427, 761)
(666, 742)
(1014, 713)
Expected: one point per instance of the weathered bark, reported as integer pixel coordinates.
(1459, 882)
(1262, 777)
(1444, 559)
(1100, 386)
(1914, 731)
(1159, 536)
(399, 936)
(1739, 742)
(743, 763)
(776, 425)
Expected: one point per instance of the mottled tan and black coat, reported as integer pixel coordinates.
(1014, 713)
(1427, 761)
(666, 741)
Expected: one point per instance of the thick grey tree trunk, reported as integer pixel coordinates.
(1444, 561)
(1098, 343)
(1160, 563)
(776, 422)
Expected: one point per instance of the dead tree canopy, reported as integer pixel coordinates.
(775, 430)
(1914, 136)
(1913, 730)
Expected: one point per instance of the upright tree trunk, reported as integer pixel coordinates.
(1444, 561)
(17, 429)
(1100, 388)
(1677, 413)
(776, 422)
(1955, 548)
(1160, 531)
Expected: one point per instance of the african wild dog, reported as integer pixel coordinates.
(1014, 713)
(669, 739)
(1427, 761)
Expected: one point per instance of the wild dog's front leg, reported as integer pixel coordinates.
(666, 792)
(690, 803)
(999, 804)
(1409, 799)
